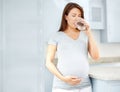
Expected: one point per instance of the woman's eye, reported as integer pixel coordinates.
(79, 16)
(73, 15)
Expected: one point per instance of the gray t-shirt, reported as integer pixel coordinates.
(72, 59)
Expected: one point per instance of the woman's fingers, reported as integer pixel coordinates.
(72, 80)
(74, 77)
(76, 81)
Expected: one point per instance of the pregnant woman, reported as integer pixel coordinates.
(72, 45)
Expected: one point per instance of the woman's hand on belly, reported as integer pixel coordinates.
(72, 80)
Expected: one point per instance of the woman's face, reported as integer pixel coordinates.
(72, 17)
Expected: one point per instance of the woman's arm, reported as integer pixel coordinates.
(51, 50)
(92, 46)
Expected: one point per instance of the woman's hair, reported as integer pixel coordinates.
(66, 11)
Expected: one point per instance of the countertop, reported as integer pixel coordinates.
(105, 70)
(105, 73)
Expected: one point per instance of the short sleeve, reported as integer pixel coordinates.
(53, 40)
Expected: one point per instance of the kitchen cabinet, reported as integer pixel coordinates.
(96, 14)
(112, 31)
(105, 85)
(105, 77)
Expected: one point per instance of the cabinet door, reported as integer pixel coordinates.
(113, 20)
(96, 14)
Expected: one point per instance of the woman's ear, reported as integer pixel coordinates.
(66, 17)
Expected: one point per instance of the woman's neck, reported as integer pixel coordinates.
(71, 30)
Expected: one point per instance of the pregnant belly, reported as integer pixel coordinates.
(79, 69)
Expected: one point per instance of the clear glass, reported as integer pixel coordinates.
(80, 25)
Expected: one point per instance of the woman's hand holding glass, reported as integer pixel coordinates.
(82, 25)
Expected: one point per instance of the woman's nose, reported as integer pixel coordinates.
(77, 18)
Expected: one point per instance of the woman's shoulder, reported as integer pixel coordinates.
(55, 38)
(57, 34)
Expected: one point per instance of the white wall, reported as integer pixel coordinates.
(1, 47)
(106, 49)
(20, 53)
